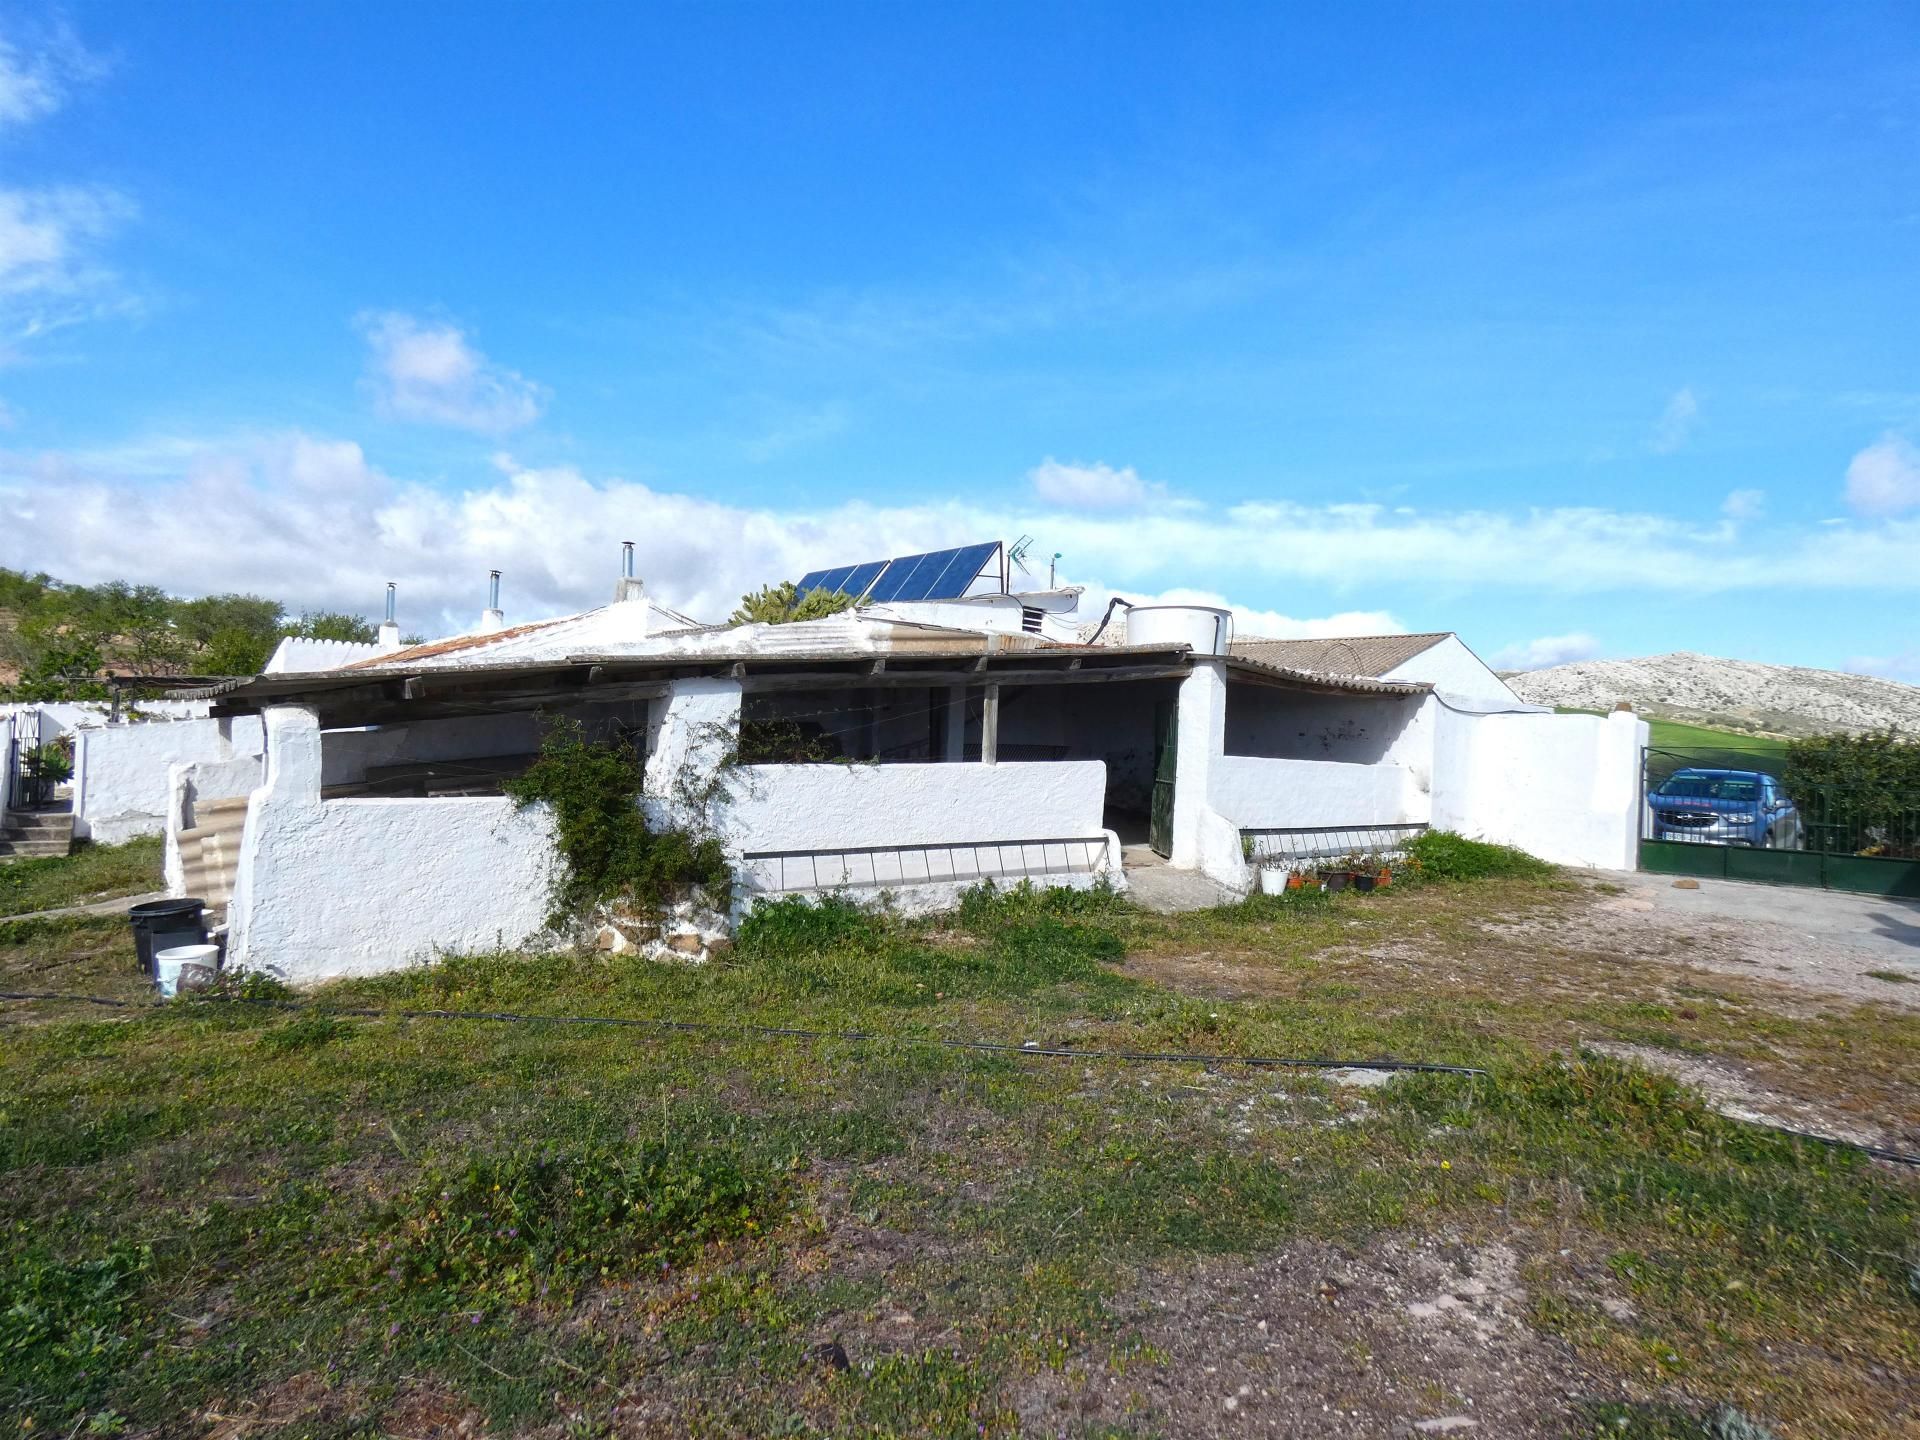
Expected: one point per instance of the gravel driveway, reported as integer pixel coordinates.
(1819, 940)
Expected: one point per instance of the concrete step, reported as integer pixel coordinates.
(36, 825)
(23, 849)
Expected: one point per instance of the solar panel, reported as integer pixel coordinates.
(862, 577)
(828, 580)
(932, 575)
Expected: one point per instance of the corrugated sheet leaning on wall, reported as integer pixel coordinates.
(210, 850)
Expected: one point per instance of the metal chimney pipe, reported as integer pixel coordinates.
(626, 559)
(493, 589)
(391, 587)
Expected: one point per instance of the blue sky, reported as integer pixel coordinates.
(1577, 332)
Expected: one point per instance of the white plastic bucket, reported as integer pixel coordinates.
(191, 967)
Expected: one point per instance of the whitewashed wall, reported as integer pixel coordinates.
(1260, 794)
(1563, 787)
(357, 887)
(120, 783)
(9, 764)
(822, 807)
(58, 717)
(1459, 674)
(923, 833)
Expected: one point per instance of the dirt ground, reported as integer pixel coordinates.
(1403, 1338)
(1821, 941)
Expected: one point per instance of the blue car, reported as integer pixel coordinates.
(1725, 807)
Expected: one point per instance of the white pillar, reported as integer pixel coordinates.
(282, 853)
(697, 725)
(990, 727)
(1203, 735)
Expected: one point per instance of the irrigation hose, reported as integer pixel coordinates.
(992, 1047)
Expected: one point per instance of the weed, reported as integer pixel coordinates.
(1443, 855)
(1893, 977)
(66, 1326)
(305, 1032)
(527, 1224)
(795, 925)
(985, 906)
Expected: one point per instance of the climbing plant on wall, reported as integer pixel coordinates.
(606, 847)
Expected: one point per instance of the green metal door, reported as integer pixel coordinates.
(1166, 751)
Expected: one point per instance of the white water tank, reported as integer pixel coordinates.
(1205, 629)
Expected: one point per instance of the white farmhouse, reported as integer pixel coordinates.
(913, 746)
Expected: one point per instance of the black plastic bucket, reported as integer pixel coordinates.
(162, 924)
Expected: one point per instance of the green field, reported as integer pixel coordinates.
(1675, 746)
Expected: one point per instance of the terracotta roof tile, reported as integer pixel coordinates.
(449, 647)
(1373, 655)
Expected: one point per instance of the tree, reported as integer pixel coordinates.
(62, 669)
(232, 634)
(332, 625)
(782, 604)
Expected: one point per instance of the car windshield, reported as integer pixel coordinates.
(1711, 787)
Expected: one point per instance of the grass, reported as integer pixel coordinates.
(1673, 745)
(290, 1218)
(91, 872)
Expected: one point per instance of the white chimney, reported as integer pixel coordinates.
(629, 586)
(390, 627)
(492, 618)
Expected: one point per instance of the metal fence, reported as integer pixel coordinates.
(1711, 813)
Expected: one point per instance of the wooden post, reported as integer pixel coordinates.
(990, 727)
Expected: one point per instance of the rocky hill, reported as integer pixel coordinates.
(1728, 694)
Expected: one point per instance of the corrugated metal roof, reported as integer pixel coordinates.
(1370, 655)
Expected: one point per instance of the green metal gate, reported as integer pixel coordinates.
(1834, 836)
(1166, 752)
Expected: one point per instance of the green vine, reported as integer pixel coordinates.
(607, 850)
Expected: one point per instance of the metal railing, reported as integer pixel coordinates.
(878, 867)
(1300, 846)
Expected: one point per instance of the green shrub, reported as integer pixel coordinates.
(1443, 855)
(527, 1225)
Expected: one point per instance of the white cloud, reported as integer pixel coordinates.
(36, 81)
(428, 372)
(1090, 487)
(1545, 651)
(1884, 478)
(51, 273)
(310, 519)
(1675, 426)
(1744, 504)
